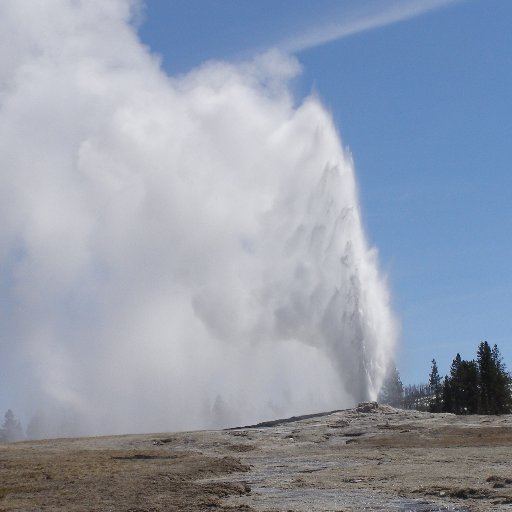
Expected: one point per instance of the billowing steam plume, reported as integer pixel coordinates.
(175, 252)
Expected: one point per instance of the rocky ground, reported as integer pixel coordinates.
(369, 458)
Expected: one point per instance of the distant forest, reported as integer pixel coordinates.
(480, 386)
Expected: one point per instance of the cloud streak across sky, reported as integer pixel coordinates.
(368, 15)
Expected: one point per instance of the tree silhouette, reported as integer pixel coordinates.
(392, 391)
(11, 429)
(487, 376)
(436, 389)
(494, 381)
(477, 387)
(502, 385)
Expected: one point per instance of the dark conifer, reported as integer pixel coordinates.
(436, 389)
(455, 385)
(502, 396)
(447, 395)
(392, 391)
(486, 377)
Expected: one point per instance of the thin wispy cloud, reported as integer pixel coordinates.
(367, 17)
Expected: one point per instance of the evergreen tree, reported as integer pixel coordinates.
(468, 380)
(455, 385)
(460, 392)
(486, 377)
(436, 389)
(494, 381)
(11, 429)
(503, 391)
(392, 392)
(447, 395)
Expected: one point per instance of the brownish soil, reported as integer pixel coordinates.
(382, 459)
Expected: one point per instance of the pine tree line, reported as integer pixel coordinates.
(480, 386)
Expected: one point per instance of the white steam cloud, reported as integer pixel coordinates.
(174, 252)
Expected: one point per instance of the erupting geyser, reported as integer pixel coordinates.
(175, 252)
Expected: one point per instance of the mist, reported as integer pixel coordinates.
(176, 252)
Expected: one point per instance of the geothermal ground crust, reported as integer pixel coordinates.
(368, 458)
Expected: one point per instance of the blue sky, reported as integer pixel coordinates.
(424, 107)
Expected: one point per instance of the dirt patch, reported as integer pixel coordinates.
(52, 477)
(241, 448)
(443, 437)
